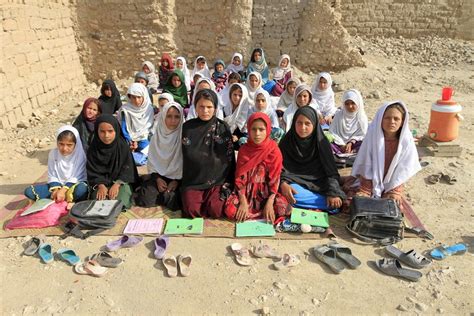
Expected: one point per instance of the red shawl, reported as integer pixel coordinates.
(168, 58)
(267, 152)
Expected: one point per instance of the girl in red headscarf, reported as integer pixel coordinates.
(166, 68)
(257, 176)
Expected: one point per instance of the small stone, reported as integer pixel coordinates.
(292, 288)
(316, 301)
(109, 302)
(279, 285)
(3, 173)
(79, 105)
(411, 299)
(263, 298)
(326, 296)
(440, 310)
(23, 124)
(253, 301)
(421, 307)
(265, 311)
(402, 308)
(376, 95)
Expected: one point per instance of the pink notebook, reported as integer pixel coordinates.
(144, 226)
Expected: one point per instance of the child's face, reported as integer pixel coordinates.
(162, 102)
(291, 88)
(164, 63)
(260, 102)
(350, 106)
(204, 85)
(284, 63)
(136, 100)
(257, 56)
(323, 84)
(146, 69)
(205, 109)
(253, 82)
(66, 146)
(258, 131)
(392, 122)
(201, 64)
(236, 61)
(236, 96)
(302, 99)
(91, 111)
(179, 64)
(141, 80)
(219, 68)
(106, 133)
(172, 119)
(232, 81)
(175, 81)
(108, 92)
(303, 126)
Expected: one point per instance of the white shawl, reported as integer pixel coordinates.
(324, 98)
(165, 156)
(152, 77)
(204, 72)
(293, 107)
(70, 168)
(348, 126)
(233, 68)
(238, 118)
(370, 161)
(285, 98)
(279, 72)
(192, 109)
(269, 111)
(250, 90)
(185, 70)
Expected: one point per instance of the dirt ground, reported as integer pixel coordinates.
(217, 285)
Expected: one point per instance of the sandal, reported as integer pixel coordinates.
(328, 256)
(444, 251)
(125, 241)
(287, 261)
(68, 255)
(264, 251)
(393, 267)
(161, 244)
(410, 258)
(171, 265)
(242, 255)
(449, 179)
(90, 267)
(345, 254)
(45, 251)
(106, 260)
(434, 178)
(184, 262)
(32, 246)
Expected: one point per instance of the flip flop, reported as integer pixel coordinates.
(264, 251)
(449, 179)
(410, 258)
(345, 254)
(125, 241)
(161, 244)
(106, 260)
(287, 261)
(242, 254)
(32, 246)
(434, 178)
(328, 256)
(444, 251)
(184, 262)
(171, 265)
(45, 251)
(393, 267)
(90, 267)
(68, 255)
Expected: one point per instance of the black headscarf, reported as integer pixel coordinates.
(112, 162)
(84, 126)
(109, 105)
(208, 154)
(309, 162)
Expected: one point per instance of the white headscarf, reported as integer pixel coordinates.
(348, 126)
(324, 98)
(152, 77)
(238, 118)
(370, 161)
(192, 109)
(251, 91)
(233, 68)
(269, 111)
(278, 72)
(70, 168)
(139, 120)
(286, 99)
(167, 96)
(291, 110)
(165, 156)
(204, 72)
(185, 70)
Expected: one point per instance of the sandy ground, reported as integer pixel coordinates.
(217, 285)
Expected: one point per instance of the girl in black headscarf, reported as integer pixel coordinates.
(110, 167)
(109, 97)
(208, 160)
(85, 121)
(310, 178)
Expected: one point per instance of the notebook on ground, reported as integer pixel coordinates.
(301, 216)
(177, 226)
(38, 206)
(254, 229)
(144, 226)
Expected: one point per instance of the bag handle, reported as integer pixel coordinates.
(379, 242)
(72, 229)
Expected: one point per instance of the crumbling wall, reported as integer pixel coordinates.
(38, 57)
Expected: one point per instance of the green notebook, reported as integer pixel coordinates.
(254, 228)
(300, 216)
(177, 226)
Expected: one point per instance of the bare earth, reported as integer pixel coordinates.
(217, 285)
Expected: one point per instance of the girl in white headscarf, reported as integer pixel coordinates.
(66, 170)
(324, 97)
(388, 157)
(136, 120)
(302, 97)
(236, 112)
(204, 83)
(165, 160)
(181, 65)
(200, 66)
(349, 125)
(150, 71)
(236, 64)
(254, 82)
(281, 75)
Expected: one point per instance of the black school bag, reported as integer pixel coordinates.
(93, 215)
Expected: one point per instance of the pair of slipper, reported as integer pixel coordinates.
(126, 241)
(97, 265)
(182, 262)
(446, 177)
(45, 252)
(393, 266)
(336, 256)
(243, 256)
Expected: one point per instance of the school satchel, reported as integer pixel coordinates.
(376, 221)
(95, 216)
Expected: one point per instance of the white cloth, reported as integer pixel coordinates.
(167, 96)
(237, 118)
(370, 161)
(268, 110)
(186, 73)
(192, 109)
(152, 76)
(138, 119)
(286, 99)
(233, 68)
(293, 107)
(70, 168)
(251, 91)
(279, 72)
(347, 126)
(205, 71)
(165, 155)
(324, 98)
